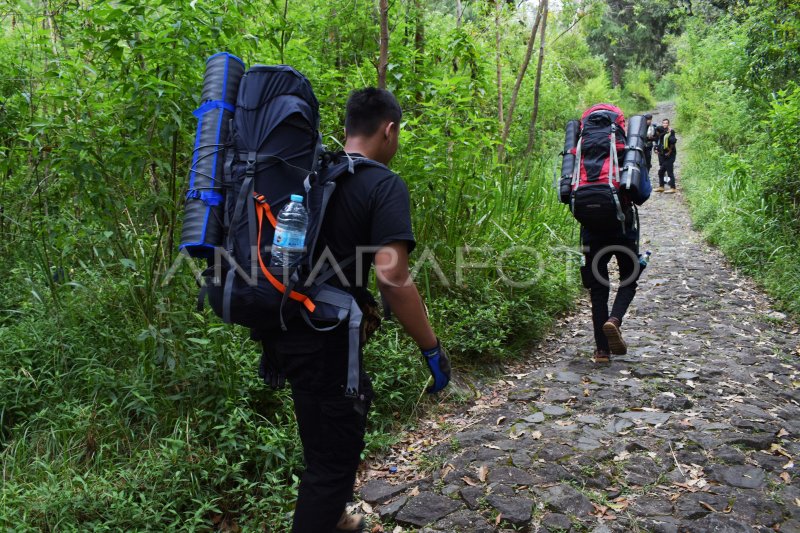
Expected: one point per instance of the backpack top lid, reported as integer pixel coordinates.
(611, 111)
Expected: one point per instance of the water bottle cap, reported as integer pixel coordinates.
(297, 198)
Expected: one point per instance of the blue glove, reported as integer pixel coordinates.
(439, 365)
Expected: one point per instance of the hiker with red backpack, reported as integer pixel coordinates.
(603, 195)
(665, 148)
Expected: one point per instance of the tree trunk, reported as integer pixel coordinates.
(497, 7)
(532, 130)
(459, 13)
(616, 75)
(520, 76)
(383, 60)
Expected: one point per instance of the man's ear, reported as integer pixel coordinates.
(387, 131)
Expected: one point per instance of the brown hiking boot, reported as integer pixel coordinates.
(614, 336)
(659, 189)
(672, 190)
(350, 522)
(601, 356)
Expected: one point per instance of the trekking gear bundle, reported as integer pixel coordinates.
(591, 174)
(273, 150)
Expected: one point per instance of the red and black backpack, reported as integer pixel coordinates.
(594, 199)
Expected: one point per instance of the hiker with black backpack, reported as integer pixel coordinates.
(667, 153)
(603, 195)
(368, 219)
(290, 234)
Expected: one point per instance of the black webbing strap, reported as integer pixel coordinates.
(348, 307)
(245, 193)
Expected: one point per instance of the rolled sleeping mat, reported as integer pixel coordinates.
(203, 223)
(568, 160)
(634, 154)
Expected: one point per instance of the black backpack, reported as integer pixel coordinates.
(275, 151)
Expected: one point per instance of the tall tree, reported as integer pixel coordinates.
(383, 59)
(520, 75)
(498, 43)
(537, 88)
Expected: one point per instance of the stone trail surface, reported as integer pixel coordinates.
(694, 430)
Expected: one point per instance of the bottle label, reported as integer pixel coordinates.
(288, 238)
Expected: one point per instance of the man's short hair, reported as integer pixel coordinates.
(648, 115)
(368, 108)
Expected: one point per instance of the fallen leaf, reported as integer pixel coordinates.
(500, 420)
(786, 477)
(707, 506)
(469, 481)
(782, 433)
(788, 465)
(622, 456)
(377, 528)
(366, 507)
(491, 446)
(536, 435)
(413, 492)
(498, 519)
(398, 529)
(482, 472)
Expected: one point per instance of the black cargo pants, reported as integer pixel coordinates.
(331, 426)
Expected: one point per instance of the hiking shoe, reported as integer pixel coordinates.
(350, 523)
(672, 190)
(659, 189)
(614, 336)
(601, 356)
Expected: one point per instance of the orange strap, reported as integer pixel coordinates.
(262, 209)
(262, 203)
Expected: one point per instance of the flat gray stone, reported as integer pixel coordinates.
(426, 508)
(568, 377)
(471, 495)
(510, 475)
(515, 510)
(535, 418)
(742, 476)
(552, 410)
(651, 506)
(557, 396)
(464, 521)
(648, 417)
(566, 500)
(391, 509)
(556, 522)
(379, 491)
(689, 507)
(671, 402)
(716, 523)
(524, 395)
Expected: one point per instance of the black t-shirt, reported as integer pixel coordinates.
(368, 209)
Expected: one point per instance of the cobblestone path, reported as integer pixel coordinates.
(695, 430)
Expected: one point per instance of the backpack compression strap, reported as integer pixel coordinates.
(613, 174)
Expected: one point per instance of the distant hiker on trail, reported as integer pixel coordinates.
(603, 194)
(369, 208)
(665, 148)
(651, 137)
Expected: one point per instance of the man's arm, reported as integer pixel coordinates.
(400, 292)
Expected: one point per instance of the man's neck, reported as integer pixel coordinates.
(357, 145)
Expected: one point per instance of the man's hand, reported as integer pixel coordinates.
(268, 371)
(439, 365)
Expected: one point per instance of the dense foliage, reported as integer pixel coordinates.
(123, 408)
(740, 101)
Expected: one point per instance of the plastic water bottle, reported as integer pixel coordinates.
(645, 258)
(290, 233)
